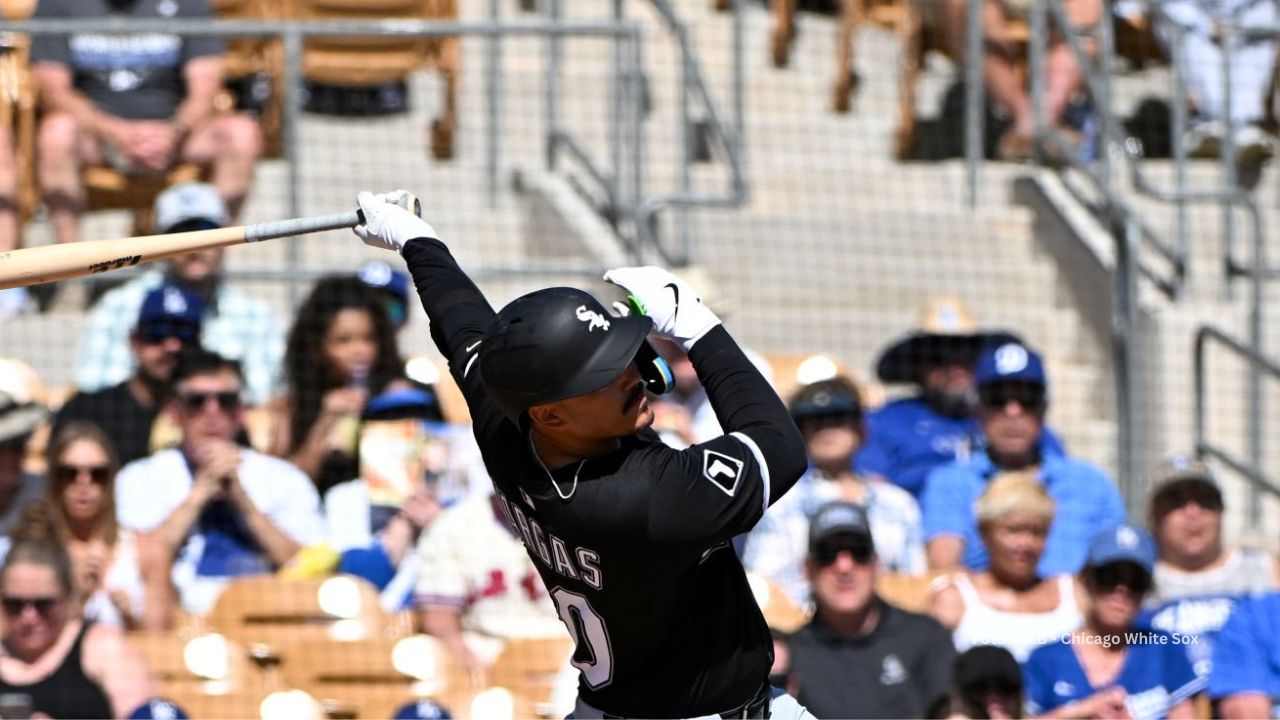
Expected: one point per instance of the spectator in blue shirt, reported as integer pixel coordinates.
(1013, 396)
(909, 437)
(1108, 668)
(1245, 679)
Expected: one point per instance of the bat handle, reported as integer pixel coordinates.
(319, 223)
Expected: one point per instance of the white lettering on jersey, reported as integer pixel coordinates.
(523, 524)
(589, 560)
(561, 555)
(722, 470)
(592, 318)
(539, 541)
(506, 511)
(536, 542)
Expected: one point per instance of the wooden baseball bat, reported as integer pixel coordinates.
(32, 266)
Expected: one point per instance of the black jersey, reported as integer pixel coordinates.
(634, 545)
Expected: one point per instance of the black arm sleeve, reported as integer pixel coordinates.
(460, 315)
(744, 402)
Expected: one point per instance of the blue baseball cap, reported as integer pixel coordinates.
(423, 709)
(159, 709)
(1122, 543)
(406, 403)
(171, 304)
(380, 275)
(1010, 362)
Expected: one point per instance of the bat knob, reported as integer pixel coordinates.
(410, 202)
(406, 200)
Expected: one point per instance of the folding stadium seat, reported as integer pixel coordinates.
(909, 592)
(207, 675)
(373, 677)
(369, 62)
(18, 103)
(254, 70)
(528, 668)
(263, 609)
(780, 612)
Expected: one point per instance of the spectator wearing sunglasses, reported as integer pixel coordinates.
(79, 510)
(1108, 668)
(1198, 579)
(910, 436)
(829, 415)
(1009, 604)
(66, 667)
(235, 324)
(221, 509)
(168, 320)
(1013, 397)
(861, 657)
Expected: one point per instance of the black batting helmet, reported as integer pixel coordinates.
(554, 344)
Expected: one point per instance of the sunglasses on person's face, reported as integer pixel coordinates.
(826, 553)
(195, 401)
(1180, 496)
(814, 423)
(14, 606)
(157, 332)
(998, 396)
(1121, 574)
(992, 686)
(67, 474)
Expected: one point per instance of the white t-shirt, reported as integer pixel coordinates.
(123, 576)
(150, 489)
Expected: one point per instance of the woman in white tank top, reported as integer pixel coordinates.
(1008, 604)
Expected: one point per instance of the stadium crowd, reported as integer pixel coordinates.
(206, 441)
(131, 507)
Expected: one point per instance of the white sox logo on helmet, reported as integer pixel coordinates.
(592, 318)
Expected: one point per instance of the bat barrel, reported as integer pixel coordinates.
(31, 266)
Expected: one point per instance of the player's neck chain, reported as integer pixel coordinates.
(574, 488)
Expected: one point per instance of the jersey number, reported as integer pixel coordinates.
(593, 657)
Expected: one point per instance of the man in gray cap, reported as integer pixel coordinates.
(861, 656)
(235, 325)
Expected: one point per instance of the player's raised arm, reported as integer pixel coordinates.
(747, 407)
(458, 311)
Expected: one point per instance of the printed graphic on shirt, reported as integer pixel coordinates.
(892, 671)
(124, 63)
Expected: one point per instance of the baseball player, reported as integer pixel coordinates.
(631, 537)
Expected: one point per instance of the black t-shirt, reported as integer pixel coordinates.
(896, 671)
(137, 76)
(115, 409)
(637, 556)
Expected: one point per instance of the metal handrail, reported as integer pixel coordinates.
(1258, 363)
(729, 140)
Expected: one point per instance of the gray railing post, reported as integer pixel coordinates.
(974, 99)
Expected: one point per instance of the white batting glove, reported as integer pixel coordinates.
(388, 225)
(677, 312)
